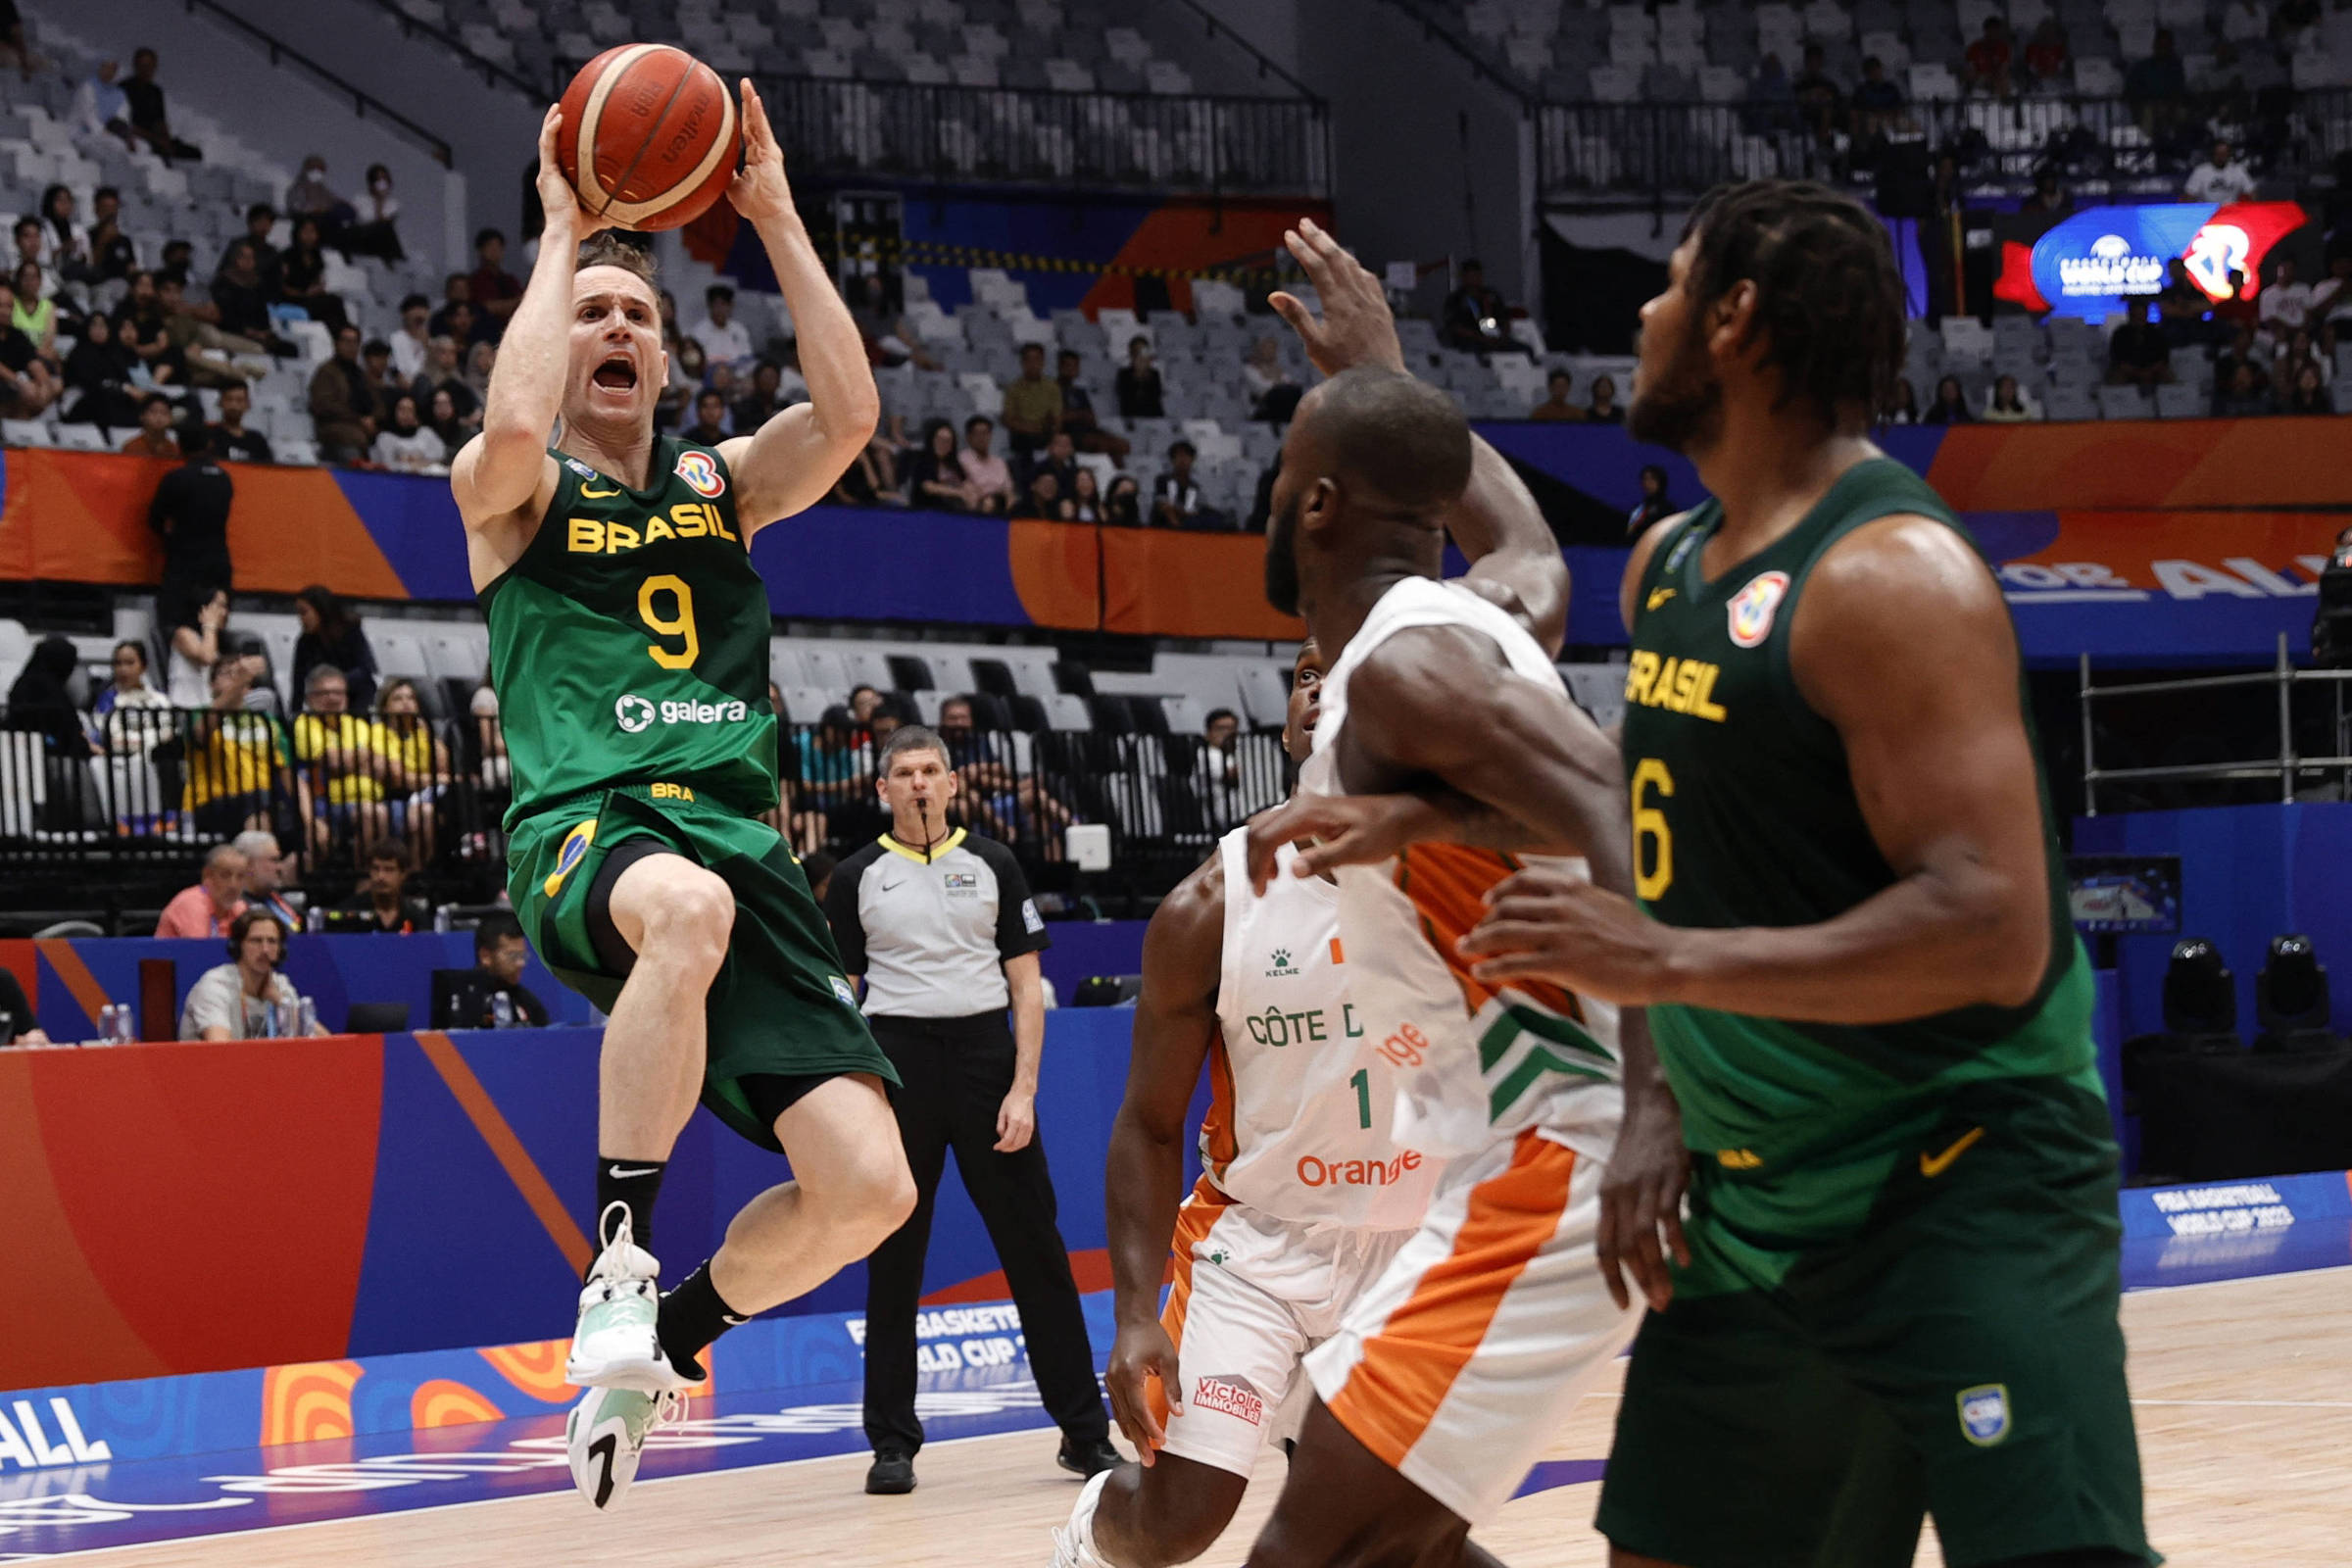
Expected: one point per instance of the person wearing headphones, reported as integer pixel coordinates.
(245, 998)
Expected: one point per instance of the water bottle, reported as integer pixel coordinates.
(106, 1026)
(269, 1021)
(308, 1014)
(8, 1028)
(125, 1031)
(502, 1010)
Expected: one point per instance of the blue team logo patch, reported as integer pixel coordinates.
(841, 990)
(1984, 1413)
(580, 468)
(1752, 607)
(700, 470)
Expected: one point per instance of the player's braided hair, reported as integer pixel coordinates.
(1828, 299)
(605, 248)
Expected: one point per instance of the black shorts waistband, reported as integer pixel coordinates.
(970, 1026)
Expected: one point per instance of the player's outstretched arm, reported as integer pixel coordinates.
(500, 470)
(791, 462)
(1175, 1020)
(1901, 641)
(1514, 558)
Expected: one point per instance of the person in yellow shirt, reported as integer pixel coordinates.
(343, 759)
(416, 760)
(236, 761)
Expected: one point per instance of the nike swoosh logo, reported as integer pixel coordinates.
(1657, 596)
(1935, 1165)
(587, 494)
(892, 887)
(621, 1173)
(602, 1451)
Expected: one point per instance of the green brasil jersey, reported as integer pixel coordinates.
(629, 643)
(1744, 816)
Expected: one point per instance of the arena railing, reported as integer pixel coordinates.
(2310, 706)
(1653, 149)
(949, 134)
(110, 813)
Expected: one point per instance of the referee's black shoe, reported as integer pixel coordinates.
(891, 1475)
(1088, 1456)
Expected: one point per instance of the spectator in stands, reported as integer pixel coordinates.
(2007, 404)
(1086, 497)
(236, 758)
(2219, 178)
(890, 337)
(935, 472)
(831, 770)
(261, 697)
(243, 299)
(30, 244)
(1604, 409)
(2047, 55)
(1989, 58)
(26, 386)
(207, 356)
(2295, 350)
(1906, 403)
(375, 228)
(216, 900)
(1123, 507)
(2050, 196)
(450, 320)
(1273, 395)
(32, 314)
(41, 703)
(1043, 499)
(2242, 396)
(986, 479)
(102, 108)
(864, 702)
(247, 998)
(128, 689)
(1032, 410)
(1876, 98)
(724, 339)
(312, 195)
(2285, 301)
(1060, 458)
(231, 440)
(331, 635)
(65, 249)
(261, 221)
(1078, 417)
(2155, 86)
(2235, 308)
(412, 342)
(500, 951)
(415, 760)
(343, 402)
(490, 739)
(994, 799)
(304, 275)
(1653, 506)
(445, 371)
(266, 876)
(1558, 406)
(710, 425)
(2138, 352)
(889, 717)
(1475, 318)
(2183, 308)
(762, 400)
(1138, 384)
(112, 254)
(2309, 393)
(1176, 496)
(871, 479)
(179, 262)
(140, 327)
(341, 754)
(2332, 296)
(190, 616)
(2243, 349)
(1949, 405)
(148, 120)
(1221, 760)
(493, 291)
(408, 445)
(441, 418)
(1820, 100)
(154, 437)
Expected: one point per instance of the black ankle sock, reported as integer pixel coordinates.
(633, 1184)
(691, 1316)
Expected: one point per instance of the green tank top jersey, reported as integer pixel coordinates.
(629, 644)
(1744, 816)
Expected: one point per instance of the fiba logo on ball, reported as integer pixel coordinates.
(634, 712)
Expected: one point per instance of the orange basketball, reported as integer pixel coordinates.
(662, 131)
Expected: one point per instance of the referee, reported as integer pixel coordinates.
(941, 928)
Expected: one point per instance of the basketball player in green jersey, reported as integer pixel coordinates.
(1853, 944)
(628, 640)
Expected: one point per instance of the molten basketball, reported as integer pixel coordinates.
(661, 133)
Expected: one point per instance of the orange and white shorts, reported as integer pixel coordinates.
(1252, 1295)
(1460, 1362)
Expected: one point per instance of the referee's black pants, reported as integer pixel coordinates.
(953, 1075)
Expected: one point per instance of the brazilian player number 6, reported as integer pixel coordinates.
(1653, 842)
(680, 626)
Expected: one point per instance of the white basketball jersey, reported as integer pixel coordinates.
(1300, 1102)
(1475, 1064)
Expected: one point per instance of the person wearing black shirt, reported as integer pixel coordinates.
(242, 301)
(261, 218)
(190, 514)
(332, 635)
(499, 955)
(142, 327)
(1078, 411)
(98, 377)
(230, 439)
(1475, 315)
(19, 1024)
(25, 385)
(382, 896)
(1138, 384)
(303, 275)
(145, 96)
(41, 702)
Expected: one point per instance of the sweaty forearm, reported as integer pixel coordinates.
(1513, 555)
(534, 356)
(1143, 1189)
(1937, 939)
(833, 361)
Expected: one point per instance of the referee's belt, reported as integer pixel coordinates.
(966, 1027)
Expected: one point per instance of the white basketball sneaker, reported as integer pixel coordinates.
(614, 1346)
(604, 1438)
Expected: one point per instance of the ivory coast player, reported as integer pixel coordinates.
(1303, 1197)
(628, 637)
(1451, 1374)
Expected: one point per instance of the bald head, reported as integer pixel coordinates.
(1393, 443)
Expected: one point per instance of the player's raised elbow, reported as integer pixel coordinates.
(849, 419)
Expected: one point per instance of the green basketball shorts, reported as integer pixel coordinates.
(780, 1003)
(1959, 1355)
